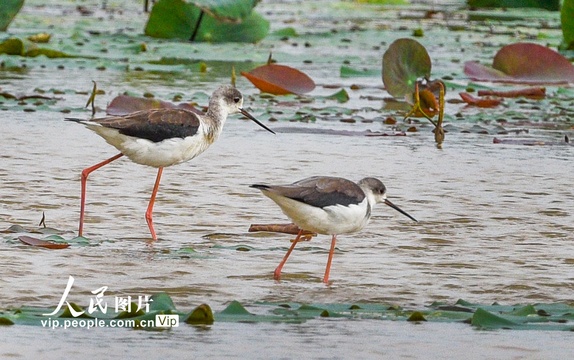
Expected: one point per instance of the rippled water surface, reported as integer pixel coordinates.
(495, 225)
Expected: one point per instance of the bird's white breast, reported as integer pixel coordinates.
(157, 154)
(330, 220)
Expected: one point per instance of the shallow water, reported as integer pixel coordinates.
(495, 225)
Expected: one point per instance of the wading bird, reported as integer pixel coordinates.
(329, 206)
(163, 137)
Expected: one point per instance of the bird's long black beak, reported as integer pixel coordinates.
(387, 202)
(250, 117)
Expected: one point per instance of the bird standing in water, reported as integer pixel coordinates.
(329, 206)
(163, 137)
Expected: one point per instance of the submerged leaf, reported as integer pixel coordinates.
(28, 240)
(524, 63)
(405, 61)
(280, 80)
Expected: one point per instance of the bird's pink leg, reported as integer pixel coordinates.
(328, 269)
(277, 272)
(85, 174)
(148, 213)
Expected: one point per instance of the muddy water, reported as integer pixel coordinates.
(495, 225)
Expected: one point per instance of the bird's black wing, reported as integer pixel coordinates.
(320, 191)
(155, 125)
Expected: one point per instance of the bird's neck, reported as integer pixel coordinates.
(371, 201)
(214, 127)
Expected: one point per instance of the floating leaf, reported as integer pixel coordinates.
(25, 47)
(125, 104)
(161, 302)
(531, 93)
(200, 315)
(543, 4)
(227, 10)
(416, 316)
(212, 21)
(524, 63)
(405, 61)
(341, 96)
(280, 228)
(280, 80)
(483, 103)
(567, 21)
(8, 10)
(235, 308)
(486, 320)
(347, 72)
(40, 38)
(28, 240)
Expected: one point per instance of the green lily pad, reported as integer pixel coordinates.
(228, 10)
(201, 315)
(405, 61)
(487, 320)
(567, 21)
(25, 47)
(222, 21)
(543, 4)
(8, 10)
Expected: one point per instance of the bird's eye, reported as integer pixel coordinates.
(236, 99)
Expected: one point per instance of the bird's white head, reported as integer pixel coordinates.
(228, 100)
(376, 192)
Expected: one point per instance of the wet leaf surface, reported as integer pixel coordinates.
(525, 63)
(553, 317)
(9, 9)
(404, 62)
(28, 240)
(280, 80)
(207, 20)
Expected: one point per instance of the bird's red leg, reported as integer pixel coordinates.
(85, 174)
(328, 269)
(277, 272)
(148, 213)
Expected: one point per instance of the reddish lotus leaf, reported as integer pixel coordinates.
(280, 228)
(485, 103)
(532, 93)
(280, 80)
(28, 240)
(124, 104)
(526, 63)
